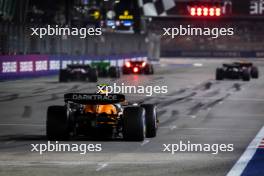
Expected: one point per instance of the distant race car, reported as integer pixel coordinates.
(105, 69)
(138, 67)
(237, 70)
(78, 72)
(101, 114)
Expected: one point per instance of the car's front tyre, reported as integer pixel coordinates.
(134, 128)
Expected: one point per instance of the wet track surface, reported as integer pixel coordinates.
(197, 109)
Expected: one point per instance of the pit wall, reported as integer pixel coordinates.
(28, 66)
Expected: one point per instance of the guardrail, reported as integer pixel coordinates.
(26, 66)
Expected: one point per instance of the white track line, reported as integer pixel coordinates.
(197, 64)
(215, 129)
(101, 166)
(193, 116)
(173, 127)
(20, 124)
(241, 164)
(144, 142)
(10, 142)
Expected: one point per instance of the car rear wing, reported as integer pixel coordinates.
(83, 98)
(74, 66)
(231, 65)
(244, 64)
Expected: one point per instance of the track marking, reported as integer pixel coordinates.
(197, 64)
(215, 129)
(229, 99)
(193, 116)
(145, 142)
(173, 127)
(10, 142)
(241, 164)
(101, 166)
(77, 163)
(19, 124)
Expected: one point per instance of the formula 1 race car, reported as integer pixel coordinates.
(138, 67)
(105, 69)
(78, 72)
(100, 115)
(236, 71)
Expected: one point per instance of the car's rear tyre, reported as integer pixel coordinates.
(149, 69)
(152, 70)
(57, 125)
(102, 72)
(125, 71)
(93, 75)
(151, 120)
(114, 72)
(254, 72)
(245, 75)
(63, 76)
(134, 128)
(219, 75)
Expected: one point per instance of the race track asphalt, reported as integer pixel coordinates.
(196, 108)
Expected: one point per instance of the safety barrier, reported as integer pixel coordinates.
(26, 66)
